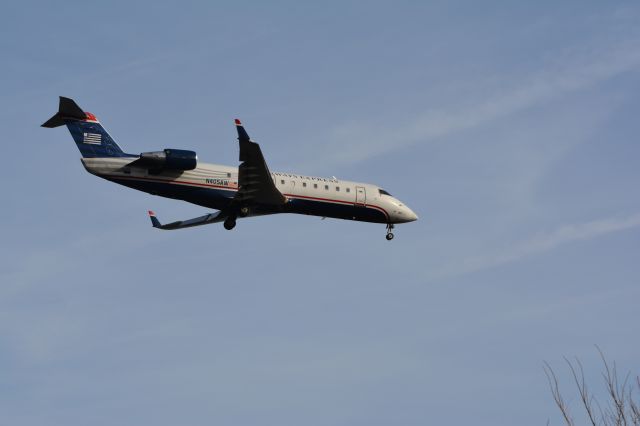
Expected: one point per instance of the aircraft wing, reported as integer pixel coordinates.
(202, 220)
(255, 187)
(254, 178)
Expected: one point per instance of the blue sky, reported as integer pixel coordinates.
(510, 128)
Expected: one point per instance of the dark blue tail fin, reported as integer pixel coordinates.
(92, 139)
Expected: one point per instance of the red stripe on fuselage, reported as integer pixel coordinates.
(207, 185)
(179, 182)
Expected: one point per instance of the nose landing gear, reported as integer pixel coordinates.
(389, 233)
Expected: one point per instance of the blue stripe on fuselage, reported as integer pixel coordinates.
(213, 198)
(218, 199)
(335, 210)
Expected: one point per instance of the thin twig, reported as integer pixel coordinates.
(582, 389)
(557, 395)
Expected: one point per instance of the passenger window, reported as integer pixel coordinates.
(228, 175)
(282, 181)
(315, 186)
(338, 188)
(326, 187)
(304, 184)
(348, 189)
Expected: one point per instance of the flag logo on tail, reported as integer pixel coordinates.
(92, 138)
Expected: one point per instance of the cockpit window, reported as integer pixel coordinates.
(383, 192)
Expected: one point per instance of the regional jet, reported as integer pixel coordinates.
(235, 192)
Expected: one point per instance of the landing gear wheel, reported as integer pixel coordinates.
(389, 233)
(229, 223)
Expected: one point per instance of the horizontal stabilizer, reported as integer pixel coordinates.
(67, 110)
(202, 220)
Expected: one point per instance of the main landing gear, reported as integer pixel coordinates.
(229, 223)
(389, 233)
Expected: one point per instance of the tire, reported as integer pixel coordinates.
(229, 224)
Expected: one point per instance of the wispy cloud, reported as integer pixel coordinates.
(546, 241)
(570, 71)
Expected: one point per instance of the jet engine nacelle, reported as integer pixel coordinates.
(169, 159)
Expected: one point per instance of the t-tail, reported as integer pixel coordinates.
(92, 139)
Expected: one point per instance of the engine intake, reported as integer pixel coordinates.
(169, 159)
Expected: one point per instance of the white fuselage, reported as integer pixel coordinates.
(306, 194)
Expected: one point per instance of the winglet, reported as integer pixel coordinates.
(243, 136)
(154, 220)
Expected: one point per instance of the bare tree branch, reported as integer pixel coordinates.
(615, 391)
(622, 407)
(557, 395)
(579, 380)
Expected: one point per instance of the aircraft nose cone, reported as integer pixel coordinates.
(405, 214)
(401, 213)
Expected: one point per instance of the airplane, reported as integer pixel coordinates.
(235, 192)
